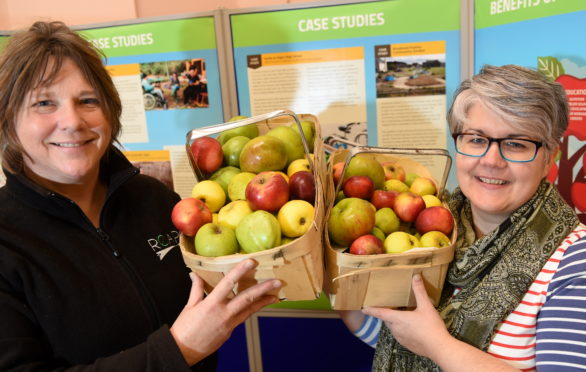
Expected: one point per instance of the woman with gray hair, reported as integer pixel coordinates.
(515, 293)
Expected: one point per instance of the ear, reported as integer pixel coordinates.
(550, 161)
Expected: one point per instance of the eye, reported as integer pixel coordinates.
(516, 145)
(476, 140)
(90, 102)
(44, 106)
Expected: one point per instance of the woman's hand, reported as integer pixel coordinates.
(206, 323)
(421, 330)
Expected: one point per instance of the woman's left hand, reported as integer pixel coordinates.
(421, 330)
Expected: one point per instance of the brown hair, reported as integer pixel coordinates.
(522, 97)
(23, 68)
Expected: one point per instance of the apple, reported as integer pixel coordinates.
(378, 233)
(258, 231)
(366, 165)
(224, 175)
(339, 196)
(263, 153)
(386, 220)
(211, 193)
(434, 239)
(298, 165)
(232, 213)
(367, 244)
(293, 145)
(308, 129)
(237, 185)
(286, 240)
(400, 241)
(358, 187)
(250, 131)
(284, 175)
(409, 178)
(295, 218)
(189, 214)
(435, 219)
(382, 198)
(214, 217)
(337, 171)
(267, 191)
(232, 149)
(207, 154)
(423, 186)
(302, 186)
(214, 240)
(408, 206)
(349, 219)
(431, 201)
(393, 170)
(395, 185)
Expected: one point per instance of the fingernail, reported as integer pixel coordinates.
(277, 284)
(192, 276)
(416, 278)
(249, 264)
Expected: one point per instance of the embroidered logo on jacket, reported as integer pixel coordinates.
(163, 243)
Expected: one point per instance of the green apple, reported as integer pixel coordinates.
(423, 186)
(263, 153)
(258, 231)
(286, 240)
(250, 131)
(339, 196)
(211, 193)
(308, 129)
(409, 178)
(213, 240)
(349, 219)
(366, 165)
(224, 175)
(386, 220)
(431, 201)
(434, 239)
(237, 185)
(232, 213)
(292, 141)
(295, 218)
(232, 149)
(395, 185)
(378, 233)
(400, 241)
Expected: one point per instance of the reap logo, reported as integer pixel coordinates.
(163, 243)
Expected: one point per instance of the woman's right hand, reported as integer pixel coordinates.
(206, 323)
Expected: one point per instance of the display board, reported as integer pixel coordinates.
(376, 73)
(167, 75)
(546, 35)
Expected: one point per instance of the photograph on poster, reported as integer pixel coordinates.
(180, 84)
(409, 75)
(154, 163)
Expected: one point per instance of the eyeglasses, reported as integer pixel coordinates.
(511, 149)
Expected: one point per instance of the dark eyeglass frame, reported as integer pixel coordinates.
(537, 144)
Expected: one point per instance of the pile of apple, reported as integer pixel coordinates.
(258, 193)
(381, 209)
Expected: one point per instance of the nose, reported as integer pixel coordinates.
(70, 116)
(493, 156)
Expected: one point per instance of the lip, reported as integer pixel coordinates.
(491, 181)
(70, 144)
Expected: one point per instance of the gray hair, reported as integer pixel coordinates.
(523, 98)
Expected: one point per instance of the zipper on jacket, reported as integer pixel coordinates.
(106, 239)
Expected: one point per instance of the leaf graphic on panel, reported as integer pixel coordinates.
(550, 67)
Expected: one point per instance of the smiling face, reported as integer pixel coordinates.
(63, 130)
(494, 186)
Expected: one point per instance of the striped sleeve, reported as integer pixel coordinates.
(561, 324)
(369, 330)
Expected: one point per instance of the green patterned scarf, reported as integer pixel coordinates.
(493, 272)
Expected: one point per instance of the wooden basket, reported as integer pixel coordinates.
(358, 281)
(298, 264)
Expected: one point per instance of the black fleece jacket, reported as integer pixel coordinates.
(73, 297)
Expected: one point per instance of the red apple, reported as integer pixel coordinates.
(267, 191)
(207, 153)
(302, 186)
(383, 199)
(337, 171)
(358, 187)
(394, 170)
(189, 215)
(367, 244)
(435, 219)
(349, 219)
(408, 205)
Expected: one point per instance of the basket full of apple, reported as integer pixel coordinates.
(259, 194)
(386, 222)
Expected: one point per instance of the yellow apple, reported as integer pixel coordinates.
(211, 193)
(298, 165)
(295, 218)
(435, 239)
(232, 213)
(237, 185)
(215, 217)
(423, 186)
(395, 185)
(431, 201)
(399, 242)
